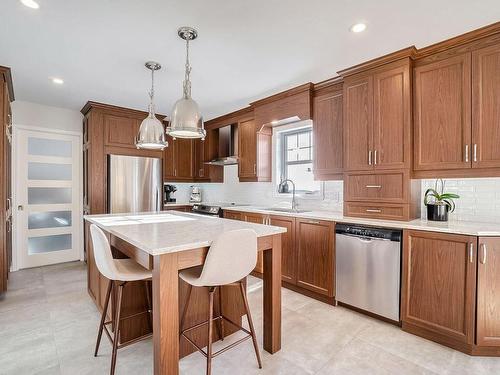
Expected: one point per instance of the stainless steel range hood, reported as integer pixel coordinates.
(228, 146)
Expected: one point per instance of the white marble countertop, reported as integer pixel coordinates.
(166, 232)
(458, 227)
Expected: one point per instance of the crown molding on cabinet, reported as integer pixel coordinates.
(5, 71)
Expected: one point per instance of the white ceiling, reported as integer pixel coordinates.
(246, 49)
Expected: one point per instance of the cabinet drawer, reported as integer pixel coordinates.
(232, 215)
(377, 211)
(386, 187)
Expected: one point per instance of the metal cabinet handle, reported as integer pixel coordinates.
(255, 169)
(370, 157)
(175, 172)
(313, 222)
(471, 252)
(201, 172)
(373, 186)
(483, 258)
(475, 153)
(466, 153)
(375, 157)
(373, 210)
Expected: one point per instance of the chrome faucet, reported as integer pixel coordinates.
(281, 190)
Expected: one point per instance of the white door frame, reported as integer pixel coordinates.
(16, 254)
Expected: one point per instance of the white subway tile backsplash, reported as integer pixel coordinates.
(479, 197)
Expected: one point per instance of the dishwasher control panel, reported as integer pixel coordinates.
(368, 232)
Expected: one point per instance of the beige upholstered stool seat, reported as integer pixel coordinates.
(130, 270)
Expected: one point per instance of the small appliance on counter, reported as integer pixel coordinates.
(168, 190)
(195, 196)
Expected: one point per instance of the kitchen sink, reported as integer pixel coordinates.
(290, 210)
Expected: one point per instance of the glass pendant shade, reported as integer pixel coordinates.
(151, 133)
(186, 120)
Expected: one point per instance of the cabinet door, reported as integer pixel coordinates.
(327, 135)
(358, 123)
(120, 131)
(488, 292)
(443, 114)
(392, 118)
(258, 219)
(439, 283)
(247, 139)
(315, 262)
(486, 107)
(184, 159)
(168, 161)
(288, 253)
(201, 170)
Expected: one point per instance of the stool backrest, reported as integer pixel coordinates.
(102, 253)
(231, 257)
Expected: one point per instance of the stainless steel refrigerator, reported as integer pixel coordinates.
(134, 184)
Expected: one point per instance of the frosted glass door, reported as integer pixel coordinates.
(48, 204)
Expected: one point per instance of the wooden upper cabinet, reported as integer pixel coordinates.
(443, 114)
(169, 161)
(315, 255)
(327, 135)
(184, 159)
(488, 292)
(358, 123)
(486, 107)
(392, 118)
(247, 148)
(288, 251)
(120, 131)
(439, 284)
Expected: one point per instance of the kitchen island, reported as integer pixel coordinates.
(169, 242)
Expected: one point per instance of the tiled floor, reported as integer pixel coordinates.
(48, 326)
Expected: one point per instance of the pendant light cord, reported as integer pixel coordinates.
(152, 94)
(187, 82)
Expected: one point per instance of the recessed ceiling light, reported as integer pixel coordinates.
(358, 27)
(57, 81)
(31, 4)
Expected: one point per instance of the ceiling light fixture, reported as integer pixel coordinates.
(358, 27)
(57, 81)
(186, 120)
(30, 4)
(151, 133)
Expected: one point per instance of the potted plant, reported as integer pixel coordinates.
(438, 202)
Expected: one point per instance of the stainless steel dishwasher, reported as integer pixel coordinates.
(368, 268)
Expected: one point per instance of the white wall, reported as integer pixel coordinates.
(43, 116)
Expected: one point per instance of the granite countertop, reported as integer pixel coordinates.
(167, 232)
(457, 227)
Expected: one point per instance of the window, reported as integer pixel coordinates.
(296, 161)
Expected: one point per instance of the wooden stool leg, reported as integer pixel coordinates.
(103, 316)
(221, 314)
(150, 309)
(116, 336)
(210, 329)
(250, 323)
(184, 312)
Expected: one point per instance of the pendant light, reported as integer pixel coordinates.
(151, 133)
(186, 120)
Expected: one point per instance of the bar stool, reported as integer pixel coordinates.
(119, 271)
(229, 261)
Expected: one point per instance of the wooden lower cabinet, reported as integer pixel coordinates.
(183, 208)
(288, 252)
(488, 292)
(439, 284)
(315, 255)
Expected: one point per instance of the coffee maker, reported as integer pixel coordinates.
(168, 190)
(195, 196)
